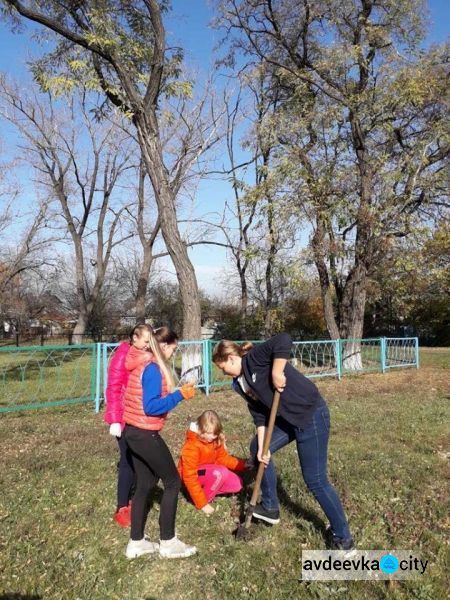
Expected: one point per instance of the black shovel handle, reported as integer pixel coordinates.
(266, 446)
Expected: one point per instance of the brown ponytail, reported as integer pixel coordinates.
(227, 348)
(164, 335)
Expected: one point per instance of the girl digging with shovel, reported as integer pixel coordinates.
(302, 416)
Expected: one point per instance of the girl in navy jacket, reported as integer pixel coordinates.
(303, 416)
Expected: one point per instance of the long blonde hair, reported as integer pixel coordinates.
(209, 422)
(159, 336)
(164, 335)
(227, 348)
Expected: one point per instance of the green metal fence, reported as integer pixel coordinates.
(325, 358)
(316, 359)
(40, 377)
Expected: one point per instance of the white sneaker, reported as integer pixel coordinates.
(137, 548)
(175, 548)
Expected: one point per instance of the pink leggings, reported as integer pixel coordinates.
(217, 479)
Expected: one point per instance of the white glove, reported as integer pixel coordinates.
(115, 429)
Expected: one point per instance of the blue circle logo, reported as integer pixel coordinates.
(389, 563)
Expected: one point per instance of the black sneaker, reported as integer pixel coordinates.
(339, 544)
(335, 543)
(269, 516)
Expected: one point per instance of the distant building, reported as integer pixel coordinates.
(129, 320)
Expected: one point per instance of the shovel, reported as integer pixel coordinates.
(242, 531)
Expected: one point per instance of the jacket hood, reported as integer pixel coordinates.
(193, 434)
(137, 358)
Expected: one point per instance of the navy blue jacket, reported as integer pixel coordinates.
(299, 399)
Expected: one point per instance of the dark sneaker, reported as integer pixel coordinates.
(335, 543)
(339, 544)
(269, 516)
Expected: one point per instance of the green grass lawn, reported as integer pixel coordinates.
(435, 357)
(388, 459)
(35, 375)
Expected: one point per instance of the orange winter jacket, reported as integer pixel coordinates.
(196, 452)
(134, 414)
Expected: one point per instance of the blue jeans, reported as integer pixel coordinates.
(312, 447)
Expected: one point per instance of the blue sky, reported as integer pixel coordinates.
(187, 26)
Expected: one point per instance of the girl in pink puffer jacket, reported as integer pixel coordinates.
(115, 393)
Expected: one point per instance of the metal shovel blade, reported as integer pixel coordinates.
(243, 530)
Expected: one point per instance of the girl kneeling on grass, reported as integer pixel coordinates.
(303, 416)
(204, 464)
(149, 396)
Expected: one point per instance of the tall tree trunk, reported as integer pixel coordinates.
(86, 299)
(244, 298)
(353, 304)
(147, 243)
(352, 317)
(80, 327)
(82, 319)
(353, 300)
(141, 293)
(268, 319)
(165, 199)
(318, 247)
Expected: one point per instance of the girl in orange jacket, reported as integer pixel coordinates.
(204, 464)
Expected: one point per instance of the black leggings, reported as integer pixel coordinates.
(125, 476)
(152, 460)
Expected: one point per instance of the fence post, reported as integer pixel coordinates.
(208, 367)
(98, 348)
(337, 351)
(104, 368)
(205, 362)
(383, 354)
(416, 344)
(341, 357)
